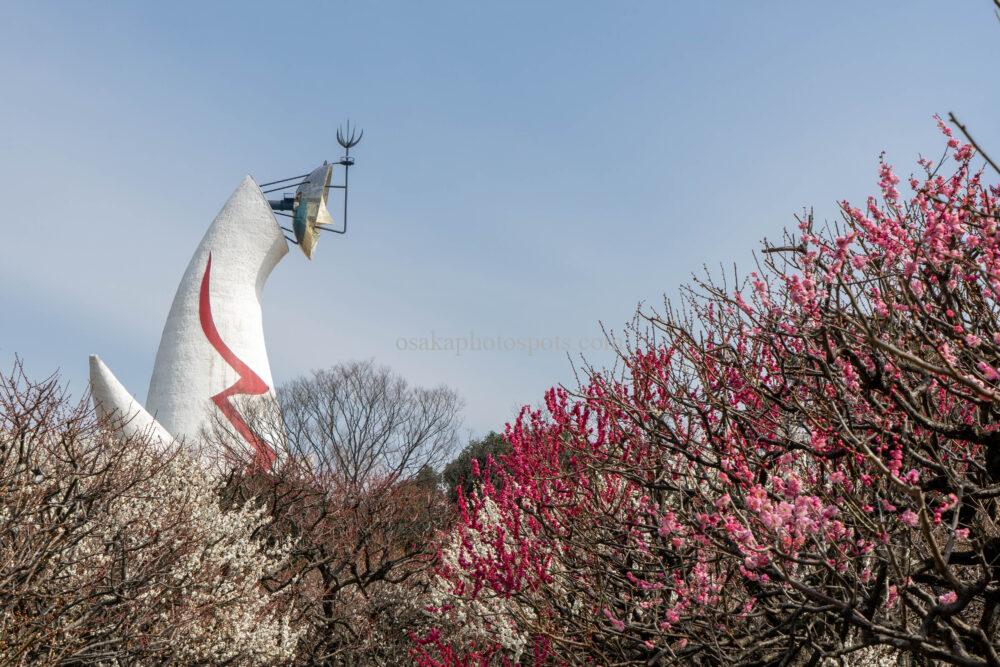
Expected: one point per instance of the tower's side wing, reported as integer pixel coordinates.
(112, 401)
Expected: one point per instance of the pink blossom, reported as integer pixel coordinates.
(988, 371)
(948, 598)
(616, 623)
(892, 596)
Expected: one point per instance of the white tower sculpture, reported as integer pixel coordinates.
(212, 349)
(212, 360)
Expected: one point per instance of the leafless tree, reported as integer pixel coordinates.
(356, 492)
(364, 424)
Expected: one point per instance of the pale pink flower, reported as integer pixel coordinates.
(948, 598)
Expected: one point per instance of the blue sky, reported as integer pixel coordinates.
(529, 170)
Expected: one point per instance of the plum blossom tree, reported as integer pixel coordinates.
(799, 467)
(113, 553)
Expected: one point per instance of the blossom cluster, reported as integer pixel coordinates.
(113, 553)
(800, 467)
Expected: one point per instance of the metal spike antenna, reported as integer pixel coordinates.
(348, 139)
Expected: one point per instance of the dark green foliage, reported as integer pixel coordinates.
(427, 478)
(459, 471)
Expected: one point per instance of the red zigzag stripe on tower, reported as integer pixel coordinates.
(249, 383)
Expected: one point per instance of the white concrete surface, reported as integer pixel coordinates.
(212, 354)
(112, 400)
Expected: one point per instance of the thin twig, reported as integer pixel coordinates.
(954, 121)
